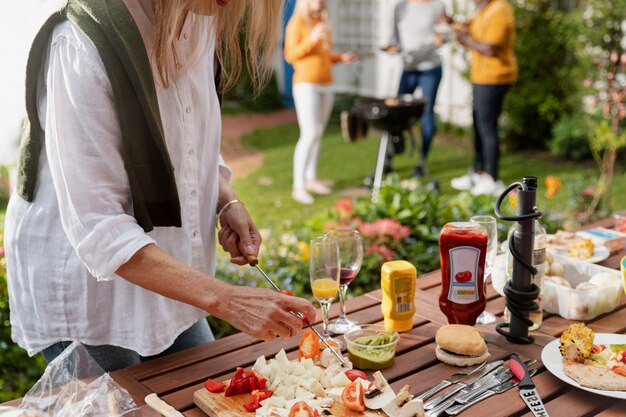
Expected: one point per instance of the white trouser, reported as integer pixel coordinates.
(314, 103)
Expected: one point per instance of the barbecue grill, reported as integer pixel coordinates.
(393, 117)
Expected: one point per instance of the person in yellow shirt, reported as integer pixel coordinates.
(490, 37)
(307, 48)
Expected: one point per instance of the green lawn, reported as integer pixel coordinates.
(266, 191)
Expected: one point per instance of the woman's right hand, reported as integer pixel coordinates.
(263, 313)
(319, 31)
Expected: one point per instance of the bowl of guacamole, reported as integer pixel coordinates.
(371, 346)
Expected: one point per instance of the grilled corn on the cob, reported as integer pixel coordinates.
(576, 342)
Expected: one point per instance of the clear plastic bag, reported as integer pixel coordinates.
(74, 385)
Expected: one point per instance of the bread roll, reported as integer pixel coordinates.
(460, 345)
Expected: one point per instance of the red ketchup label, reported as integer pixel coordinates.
(463, 272)
(462, 247)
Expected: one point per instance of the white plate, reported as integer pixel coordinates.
(553, 361)
(600, 253)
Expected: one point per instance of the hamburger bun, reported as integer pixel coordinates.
(460, 345)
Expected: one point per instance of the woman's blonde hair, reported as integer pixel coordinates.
(303, 9)
(245, 30)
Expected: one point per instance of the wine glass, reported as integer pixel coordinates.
(324, 268)
(490, 225)
(351, 258)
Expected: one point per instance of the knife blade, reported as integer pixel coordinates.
(452, 379)
(527, 389)
(494, 379)
(457, 409)
(253, 261)
(463, 382)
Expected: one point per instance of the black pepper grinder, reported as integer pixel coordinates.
(520, 292)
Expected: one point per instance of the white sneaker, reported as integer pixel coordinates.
(317, 187)
(465, 182)
(486, 185)
(302, 196)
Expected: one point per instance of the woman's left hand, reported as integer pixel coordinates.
(238, 235)
(348, 57)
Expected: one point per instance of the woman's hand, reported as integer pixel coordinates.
(263, 313)
(319, 31)
(348, 57)
(239, 235)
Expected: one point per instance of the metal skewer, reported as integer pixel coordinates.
(255, 262)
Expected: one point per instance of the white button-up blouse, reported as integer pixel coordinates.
(63, 248)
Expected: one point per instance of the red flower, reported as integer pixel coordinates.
(1, 251)
(589, 191)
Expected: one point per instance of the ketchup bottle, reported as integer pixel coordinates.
(462, 248)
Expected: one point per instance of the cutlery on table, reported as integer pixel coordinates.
(452, 379)
(457, 409)
(461, 383)
(527, 389)
(253, 261)
(494, 379)
(490, 381)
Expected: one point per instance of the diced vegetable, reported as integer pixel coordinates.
(352, 396)
(214, 386)
(302, 409)
(309, 345)
(353, 374)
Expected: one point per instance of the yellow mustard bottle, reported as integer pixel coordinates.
(397, 282)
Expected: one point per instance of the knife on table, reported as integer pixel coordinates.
(462, 383)
(527, 389)
(253, 261)
(457, 409)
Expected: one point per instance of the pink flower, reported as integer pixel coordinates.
(382, 228)
(1, 251)
(345, 207)
(386, 253)
(589, 191)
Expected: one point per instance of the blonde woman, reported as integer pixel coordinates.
(110, 238)
(307, 48)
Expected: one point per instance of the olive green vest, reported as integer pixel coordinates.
(111, 28)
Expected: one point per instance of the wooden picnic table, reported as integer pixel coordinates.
(176, 377)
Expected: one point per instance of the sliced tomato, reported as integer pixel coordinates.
(620, 370)
(214, 386)
(302, 409)
(597, 348)
(352, 396)
(309, 345)
(353, 374)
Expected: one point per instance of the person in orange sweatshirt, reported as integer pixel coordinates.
(307, 48)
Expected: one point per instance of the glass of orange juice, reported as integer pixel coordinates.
(324, 268)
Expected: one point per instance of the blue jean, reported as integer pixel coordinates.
(486, 109)
(428, 81)
(111, 358)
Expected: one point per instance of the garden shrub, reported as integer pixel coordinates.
(570, 138)
(550, 73)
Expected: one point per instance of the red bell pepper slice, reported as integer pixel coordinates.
(620, 370)
(214, 386)
(262, 381)
(309, 345)
(256, 398)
